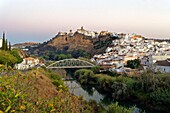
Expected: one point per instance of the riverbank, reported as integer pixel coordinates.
(149, 89)
(40, 90)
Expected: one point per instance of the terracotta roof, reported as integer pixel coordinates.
(163, 63)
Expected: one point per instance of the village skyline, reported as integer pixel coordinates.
(30, 20)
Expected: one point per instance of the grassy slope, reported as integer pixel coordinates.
(34, 92)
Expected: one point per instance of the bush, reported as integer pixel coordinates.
(149, 82)
(95, 69)
(56, 80)
(119, 91)
(16, 55)
(83, 72)
(161, 96)
(133, 63)
(128, 81)
(110, 73)
(2, 67)
(115, 108)
(7, 59)
(84, 75)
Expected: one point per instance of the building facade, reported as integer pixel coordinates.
(0, 42)
(162, 66)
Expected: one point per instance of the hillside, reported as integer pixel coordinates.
(21, 45)
(35, 92)
(43, 91)
(73, 42)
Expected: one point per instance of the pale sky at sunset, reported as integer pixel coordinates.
(40, 20)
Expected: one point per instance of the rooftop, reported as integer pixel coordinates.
(163, 63)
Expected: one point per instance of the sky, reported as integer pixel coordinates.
(41, 20)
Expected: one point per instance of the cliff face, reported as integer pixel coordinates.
(75, 42)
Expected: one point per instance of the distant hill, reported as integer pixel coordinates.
(80, 42)
(25, 44)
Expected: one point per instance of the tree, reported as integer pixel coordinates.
(133, 63)
(95, 69)
(3, 41)
(6, 45)
(7, 59)
(16, 55)
(62, 56)
(9, 48)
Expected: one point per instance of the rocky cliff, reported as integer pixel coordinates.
(63, 43)
(75, 42)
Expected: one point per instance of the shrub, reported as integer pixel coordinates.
(7, 59)
(133, 63)
(16, 55)
(2, 67)
(56, 80)
(161, 96)
(149, 82)
(95, 69)
(84, 75)
(115, 108)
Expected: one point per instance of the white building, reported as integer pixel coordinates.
(62, 33)
(160, 57)
(109, 49)
(163, 66)
(146, 62)
(87, 33)
(27, 63)
(0, 42)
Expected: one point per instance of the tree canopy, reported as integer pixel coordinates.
(16, 55)
(133, 63)
(10, 58)
(7, 59)
(5, 45)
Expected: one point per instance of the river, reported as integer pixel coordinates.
(90, 93)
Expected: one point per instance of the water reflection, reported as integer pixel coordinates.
(87, 93)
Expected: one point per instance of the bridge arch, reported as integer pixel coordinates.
(70, 63)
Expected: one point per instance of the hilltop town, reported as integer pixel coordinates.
(63, 56)
(108, 70)
(109, 49)
(132, 46)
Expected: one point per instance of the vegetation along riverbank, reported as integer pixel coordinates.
(149, 89)
(40, 90)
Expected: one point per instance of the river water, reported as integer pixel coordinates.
(76, 89)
